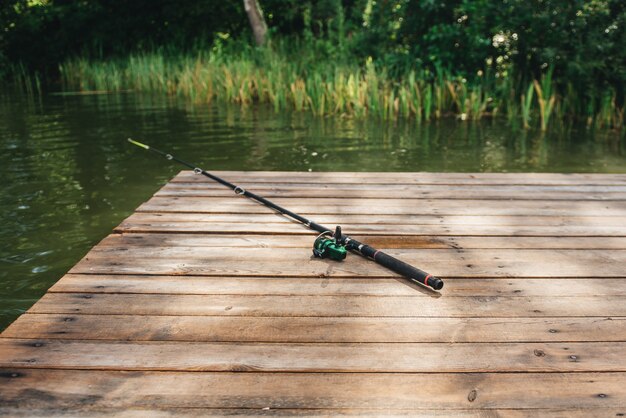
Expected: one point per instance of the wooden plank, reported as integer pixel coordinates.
(331, 206)
(295, 262)
(419, 305)
(368, 230)
(383, 241)
(81, 411)
(286, 227)
(314, 357)
(294, 286)
(274, 241)
(68, 389)
(316, 329)
(357, 219)
(363, 186)
(402, 192)
(409, 178)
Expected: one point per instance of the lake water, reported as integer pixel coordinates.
(69, 176)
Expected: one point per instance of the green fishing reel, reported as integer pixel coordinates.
(327, 246)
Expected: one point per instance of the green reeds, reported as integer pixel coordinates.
(299, 97)
(478, 102)
(545, 97)
(29, 83)
(316, 92)
(609, 114)
(414, 97)
(291, 77)
(428, 101)
(526, 103)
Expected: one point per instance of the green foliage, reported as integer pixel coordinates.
(421, 58)
(41, 34)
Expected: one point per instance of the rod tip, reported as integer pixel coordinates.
(139, 144)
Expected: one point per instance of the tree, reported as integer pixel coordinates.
(257, 22)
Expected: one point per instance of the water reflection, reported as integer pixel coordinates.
(69, 176)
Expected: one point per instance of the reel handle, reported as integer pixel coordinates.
(395, 265)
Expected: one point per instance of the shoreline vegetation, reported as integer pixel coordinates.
(298, 81)
(536, 65)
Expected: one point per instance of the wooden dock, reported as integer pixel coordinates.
(205, 303)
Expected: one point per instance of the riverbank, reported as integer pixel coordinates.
(293, 77)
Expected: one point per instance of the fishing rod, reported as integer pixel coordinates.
(334, 247)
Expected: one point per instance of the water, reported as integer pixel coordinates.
(69, 176)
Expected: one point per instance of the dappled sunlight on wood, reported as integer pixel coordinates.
(211, 301)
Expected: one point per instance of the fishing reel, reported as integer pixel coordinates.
(330, 246)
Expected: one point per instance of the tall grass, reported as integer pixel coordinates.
(301, 81)
(28, 82)
(526, 105)
(545, 97)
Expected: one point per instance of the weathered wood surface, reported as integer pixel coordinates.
(391, 206)
(384, 241)
(134, 412)
(294, 262)
(419, 305)
(489, 226)
(302, 286)
(442, 179)
(124, 327)
(205, 304)
(315, 357)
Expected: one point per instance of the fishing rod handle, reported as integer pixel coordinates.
(395, 265)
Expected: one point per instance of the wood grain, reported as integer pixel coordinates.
(315, 357)
(330, 206)
(283, 412)
(300, 286)
(419, 305)
(207, 304)
(385, 178)
(295, 262)
(384, 242)
(316, 329)
(139, 223)
(309, 412)
(361, 191)
(357, 219)
(366, 186)
(67, 388)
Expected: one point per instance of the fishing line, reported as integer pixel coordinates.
(324, 246)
